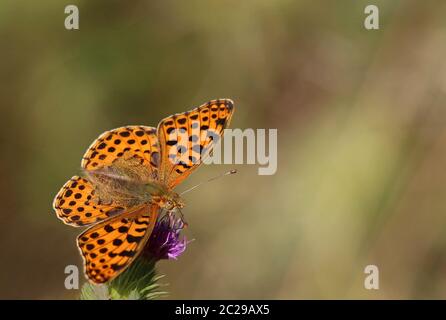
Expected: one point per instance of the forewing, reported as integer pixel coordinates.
(187, 138)
(128, 142)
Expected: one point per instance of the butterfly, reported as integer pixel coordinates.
(130, 174)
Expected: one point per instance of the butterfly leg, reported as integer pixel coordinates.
(183, 220)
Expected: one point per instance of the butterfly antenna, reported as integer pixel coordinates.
(233, 171)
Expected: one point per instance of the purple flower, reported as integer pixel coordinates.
(165, 242)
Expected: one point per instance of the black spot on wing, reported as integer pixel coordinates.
(132, 239)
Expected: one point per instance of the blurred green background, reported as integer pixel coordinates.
(361, 121)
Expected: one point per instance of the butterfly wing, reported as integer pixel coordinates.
(109, 247)
(125, 158)
(75, 204)
(128, 142)
(187, 138)
(126, 183)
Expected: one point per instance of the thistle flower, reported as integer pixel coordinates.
(165, 242)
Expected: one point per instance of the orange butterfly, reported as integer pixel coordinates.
(130, 174)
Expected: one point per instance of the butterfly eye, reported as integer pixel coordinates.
(169, 204)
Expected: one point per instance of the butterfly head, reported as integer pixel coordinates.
(173, 200)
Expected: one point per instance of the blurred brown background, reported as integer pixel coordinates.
(361, 119)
